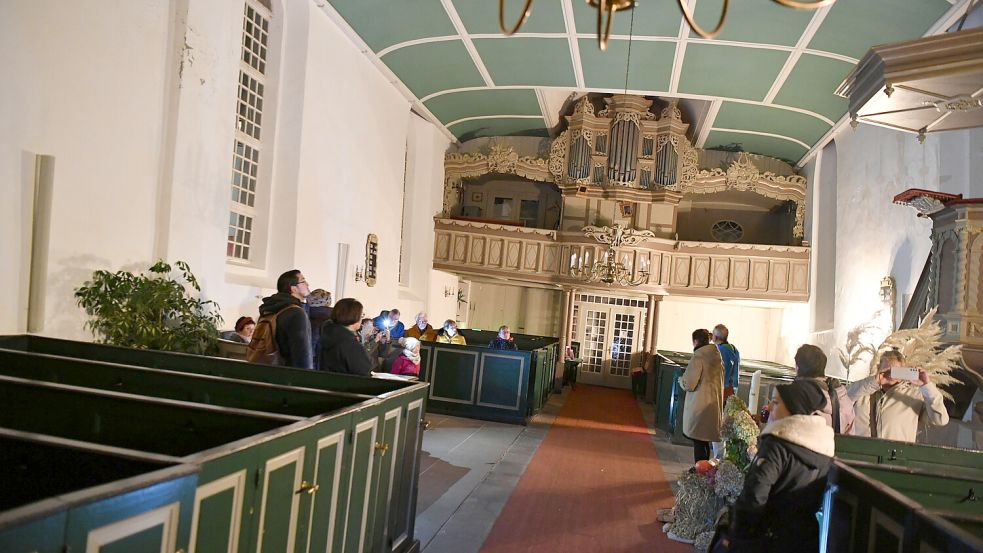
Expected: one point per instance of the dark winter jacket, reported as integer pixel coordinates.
(341, 352)
(783, 489)
(319, 316)
(293, 330)
(499, 343)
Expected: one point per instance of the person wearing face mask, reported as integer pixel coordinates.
(784, 486)
(450, 335)
(408, 362)
(421, 330)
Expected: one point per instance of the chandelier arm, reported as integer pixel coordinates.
(522, 19)
(610, 7)
(688, 15)
(805, 5)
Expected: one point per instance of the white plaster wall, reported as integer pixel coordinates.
(89, 91)
(768, 332)
(351, 166)
(136, 100)
(525, 310)
(875, 238)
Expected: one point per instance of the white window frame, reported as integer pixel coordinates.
(250, 139)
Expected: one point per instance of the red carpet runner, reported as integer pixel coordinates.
(594, 484)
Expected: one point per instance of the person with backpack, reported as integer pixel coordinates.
(810, 365)
(283, 331)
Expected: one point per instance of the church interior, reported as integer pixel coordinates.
(591, 182)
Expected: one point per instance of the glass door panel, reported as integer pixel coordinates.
(593, 346)
(622, 344)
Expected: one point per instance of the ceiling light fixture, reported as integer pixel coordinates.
(609, 7)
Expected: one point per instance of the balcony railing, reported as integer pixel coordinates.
(708, 269)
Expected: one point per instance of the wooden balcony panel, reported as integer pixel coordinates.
(699, 269)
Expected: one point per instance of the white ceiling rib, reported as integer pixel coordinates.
(793, 58)
(576, 36)
(768, 134)
(387, 73)
(701, 137)
(480, 117)
(468, 43)
(677, 60)
(685, 95)
(571, 27)
(705, 125)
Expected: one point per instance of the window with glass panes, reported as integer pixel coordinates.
(249, 125)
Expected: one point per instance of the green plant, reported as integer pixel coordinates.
(150, 311)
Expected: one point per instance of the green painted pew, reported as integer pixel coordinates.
(374, 444)
(476, 382)
(875, 450)
(210, 390)
(876, 507)
(62, 495)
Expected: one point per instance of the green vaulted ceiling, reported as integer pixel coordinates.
(767, 81)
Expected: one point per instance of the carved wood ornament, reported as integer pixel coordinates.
(663, 158)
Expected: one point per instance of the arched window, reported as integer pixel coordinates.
(252, 91)
(727, 231)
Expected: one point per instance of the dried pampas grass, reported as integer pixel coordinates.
(921, 347)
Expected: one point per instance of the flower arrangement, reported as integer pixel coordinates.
(710, 485)
(921, 347)
(739, 433)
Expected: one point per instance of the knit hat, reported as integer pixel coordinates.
(810, 362)
(801, 397)
(319, 298)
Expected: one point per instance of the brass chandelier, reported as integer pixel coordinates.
(610, 7)
(609, 269)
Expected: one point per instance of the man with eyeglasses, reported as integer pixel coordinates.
(293, 328)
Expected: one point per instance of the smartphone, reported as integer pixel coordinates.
(904, 373)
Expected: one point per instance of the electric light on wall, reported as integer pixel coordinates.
(610, 7)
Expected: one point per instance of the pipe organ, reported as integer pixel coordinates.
(625, 144)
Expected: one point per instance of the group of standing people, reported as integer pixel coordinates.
(784, 484)
(300, 328)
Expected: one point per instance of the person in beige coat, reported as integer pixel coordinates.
(703, 381)
(896, 409)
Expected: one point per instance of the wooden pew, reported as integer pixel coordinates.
(330, 430)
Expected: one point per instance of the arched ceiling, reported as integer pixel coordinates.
(766, 83)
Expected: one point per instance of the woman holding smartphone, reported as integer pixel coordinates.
(900, 400)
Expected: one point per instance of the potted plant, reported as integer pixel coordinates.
(150, 311)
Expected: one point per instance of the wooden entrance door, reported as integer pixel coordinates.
(609, 336)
